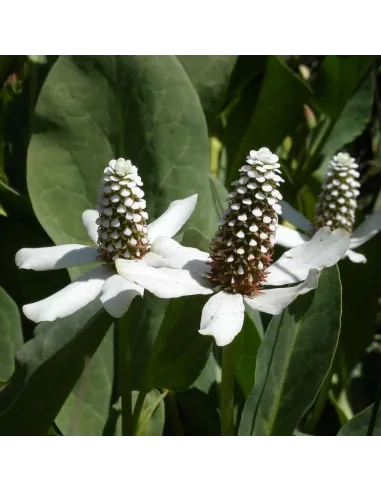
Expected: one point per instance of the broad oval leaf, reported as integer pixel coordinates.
(294, 359)
(210, 76)
(94, 108)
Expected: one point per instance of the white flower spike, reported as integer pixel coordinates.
(239, 266)
(336, 208)
(120, 230)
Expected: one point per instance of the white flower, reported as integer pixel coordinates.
(116, 236)
(239, 267)
(336, 208)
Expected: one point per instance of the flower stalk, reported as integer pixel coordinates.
(227, 391)
(124, 376)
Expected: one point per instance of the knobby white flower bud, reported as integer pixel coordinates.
(122, 231)
(337, 201)
(242, 248)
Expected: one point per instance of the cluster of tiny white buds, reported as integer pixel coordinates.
(122, 231)
(242, 248)
(337, 201)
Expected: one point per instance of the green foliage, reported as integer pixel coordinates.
(187, 122)
(10, 334)
(358, 426)
(48, 367)
(293, 360)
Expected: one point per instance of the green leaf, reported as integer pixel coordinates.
(48, 367)
(247, 68)
(11, 338)
(246, 345)
(85, 411)
(210, 76)
(266, 117)
(337, 80)
(294, 359)
(179, 352)
(360, 305)
(151, 421)
(219, 195)
(94, 108)
(197, 408)
(152, 416)
(358, 426)
(350, 124)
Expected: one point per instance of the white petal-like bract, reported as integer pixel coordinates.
(166, 252)
(172, 220)
(56, 257)
(89, 218)
(69, 299)
(365, 231)
(324, 250)
(289, 238)
(273, 301)
(117, 295)
(354, 256)
(163, 282)
(222, 317)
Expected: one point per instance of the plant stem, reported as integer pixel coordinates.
(227, 391)
(124, 376)
(137, 409)
(376, 406)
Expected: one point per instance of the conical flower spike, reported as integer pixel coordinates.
(338, 199)
(242, 248)
(122, 231)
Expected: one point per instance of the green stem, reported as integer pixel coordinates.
(137, 409)
(215, 151)
(227, 391)
(124, 376)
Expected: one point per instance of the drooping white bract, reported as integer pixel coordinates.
(239, 266)
(336, 208)
(120, 230)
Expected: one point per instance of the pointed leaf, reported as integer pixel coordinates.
(350, 124)
(358, 425)
(152, 416)
(294, 359)
(274, 113)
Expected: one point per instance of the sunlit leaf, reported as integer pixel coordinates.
(294, 359)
